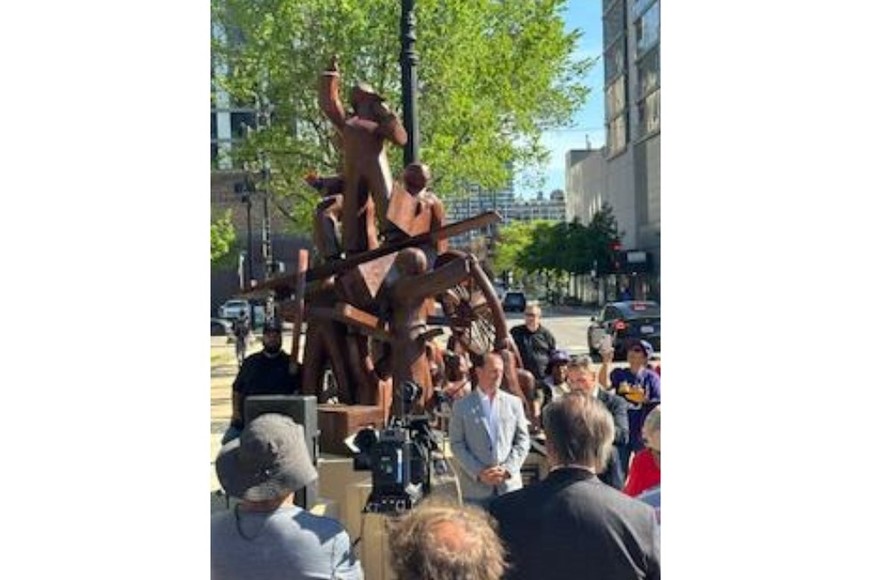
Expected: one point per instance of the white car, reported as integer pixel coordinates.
(232, 309)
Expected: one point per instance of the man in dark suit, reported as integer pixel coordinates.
(571, 525)
(581, 377)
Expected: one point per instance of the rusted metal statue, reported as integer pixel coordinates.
(370, 309)
(366, 170)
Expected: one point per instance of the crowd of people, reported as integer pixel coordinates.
(595, 515)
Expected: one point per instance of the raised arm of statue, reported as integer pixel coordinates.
(389, 125)
(328, 97)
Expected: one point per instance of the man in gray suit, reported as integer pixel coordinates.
(489, 436)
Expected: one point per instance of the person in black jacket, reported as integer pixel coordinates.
(581, 377)
(534, 342)
(263, 373)
(571, 525)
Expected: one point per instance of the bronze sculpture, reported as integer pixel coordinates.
(366, 170)
(370, 311)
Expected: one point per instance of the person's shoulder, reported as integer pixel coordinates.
(510, 397)
(324, 525)
(619, 502)
(220, 521)
(519, 330)
(610, 398)
(510, 503)
(619, 372)
(606, 396)
(465, 403)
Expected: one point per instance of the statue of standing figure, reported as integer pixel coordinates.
(366, 173)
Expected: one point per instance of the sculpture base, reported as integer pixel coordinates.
(338, 422)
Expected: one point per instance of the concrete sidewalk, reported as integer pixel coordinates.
(223, 372)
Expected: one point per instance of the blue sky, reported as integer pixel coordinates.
(585, 15)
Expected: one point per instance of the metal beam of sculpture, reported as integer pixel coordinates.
(287, 282)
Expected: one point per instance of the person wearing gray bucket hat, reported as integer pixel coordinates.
(266, 536)
(268, 460)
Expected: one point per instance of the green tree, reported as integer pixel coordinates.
(493, 76)
(223, 241)
(512, 245)
(603, 234)
(577, 250)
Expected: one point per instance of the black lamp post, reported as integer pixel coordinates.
(409, 60)
(246, 189)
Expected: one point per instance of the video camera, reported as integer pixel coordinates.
(401, 458)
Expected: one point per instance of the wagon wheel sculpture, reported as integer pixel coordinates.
(470, 310)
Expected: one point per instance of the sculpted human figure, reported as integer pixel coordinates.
(366, 171)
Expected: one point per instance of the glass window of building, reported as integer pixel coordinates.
(647, 30)
(648, 114)
(614, 60)
(639, 6)
(614, 96)
(614, 20)
(648, 72)
(617, 134)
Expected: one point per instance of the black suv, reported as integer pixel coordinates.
(626, 322)
(514, 301)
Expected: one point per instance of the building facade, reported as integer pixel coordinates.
(626, 172)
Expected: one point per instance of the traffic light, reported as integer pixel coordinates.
(616, 257)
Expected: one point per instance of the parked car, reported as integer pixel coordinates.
(220, 327)
(626, 322)
(232, 309)
(514, 301)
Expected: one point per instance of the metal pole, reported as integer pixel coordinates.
(267, 237)
(250, 256)
(409, 60)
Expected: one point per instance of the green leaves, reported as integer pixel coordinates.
(542, 246)
(493, 75)
(223, 240)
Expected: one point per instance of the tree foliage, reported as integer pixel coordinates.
(493, 76)
(513, 244)
(223, 240)
(557, 247)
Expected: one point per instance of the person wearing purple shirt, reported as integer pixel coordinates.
(639, 385)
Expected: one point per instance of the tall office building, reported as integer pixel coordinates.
(632, 96)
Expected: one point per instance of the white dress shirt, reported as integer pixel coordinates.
(490, 413)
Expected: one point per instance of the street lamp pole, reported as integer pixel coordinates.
(267, 225)
(409, 60)
(250, 256)
(246, 189)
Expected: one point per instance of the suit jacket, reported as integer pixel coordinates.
(473, 450)
(618, 407)
(572, 526)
